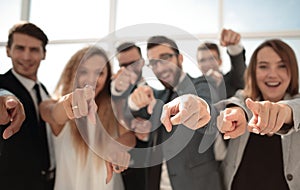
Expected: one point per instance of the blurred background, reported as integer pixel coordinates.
(73, 24)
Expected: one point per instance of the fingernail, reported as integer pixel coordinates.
(9, 134)
(262, 134)
(254, 130)
(226, 137)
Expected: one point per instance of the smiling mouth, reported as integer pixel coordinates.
(272, 84)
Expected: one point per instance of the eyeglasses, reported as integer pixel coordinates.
(132, 63)
(163, 58)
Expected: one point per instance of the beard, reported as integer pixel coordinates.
(173, 83)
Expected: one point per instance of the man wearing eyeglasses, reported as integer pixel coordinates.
(174, 157)
(131, 63)
(126, 80)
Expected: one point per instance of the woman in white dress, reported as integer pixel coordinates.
(80, 156)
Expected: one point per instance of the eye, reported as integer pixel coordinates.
(166, 56)
(282, 65)
(262, 66)
(19, 47)
(36, 50)
(82, 72)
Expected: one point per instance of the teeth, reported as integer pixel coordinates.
(273, 83)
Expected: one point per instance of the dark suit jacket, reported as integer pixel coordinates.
(134, 177)
(21, 155)
(188, 169)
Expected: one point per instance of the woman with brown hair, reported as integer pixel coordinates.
(266, 156)
(82, 142)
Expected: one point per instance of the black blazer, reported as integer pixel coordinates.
(21, 155)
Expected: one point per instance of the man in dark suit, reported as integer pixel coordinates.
(126, 80)
(24, 158)
(12, 112)
(209, 62)
(174, 154)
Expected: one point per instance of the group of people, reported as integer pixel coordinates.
(101, 130)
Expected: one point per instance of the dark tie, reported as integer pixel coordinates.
(43, 134)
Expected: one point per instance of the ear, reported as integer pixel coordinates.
(44, 57)
(8, 51)
(220, 62)
(180, 59)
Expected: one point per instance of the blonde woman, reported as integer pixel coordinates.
(81, 148)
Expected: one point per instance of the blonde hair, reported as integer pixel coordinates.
(66, 84)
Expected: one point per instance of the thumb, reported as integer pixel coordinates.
(222, 36)
(177, 118)
(151, 106)
(133, 78)
(92, 111)
(88, 92)
(253, 106)
(165, 118)
(109, 171)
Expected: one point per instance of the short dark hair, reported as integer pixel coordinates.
(28, 29)
(209, 46)
(127, 46)
(159, 40)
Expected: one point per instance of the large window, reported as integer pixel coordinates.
(71, 19)
(10, 12)
(195, 16)
(262, 16)
(73, 24)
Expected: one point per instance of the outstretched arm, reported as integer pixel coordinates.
(11, 110)
(73, 105)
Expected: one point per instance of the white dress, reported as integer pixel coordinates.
(70, 175)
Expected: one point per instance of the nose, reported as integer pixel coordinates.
(26, 55)
(272, 72)
(91, 80)
(159, 66)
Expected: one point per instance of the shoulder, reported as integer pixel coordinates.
(6, 75)
(199, 82)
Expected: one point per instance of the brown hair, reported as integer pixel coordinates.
(209, 46)
(287, 55)
(28, 29)
(128, 46)
(159, 40)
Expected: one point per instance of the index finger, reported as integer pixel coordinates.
(17, 116)
(253, 106)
